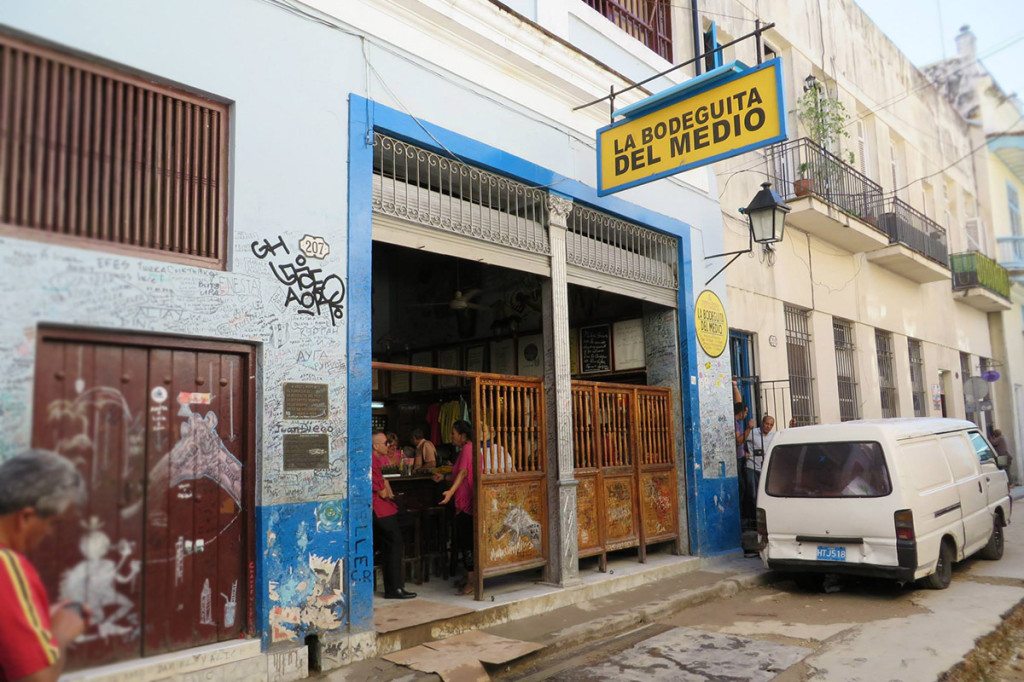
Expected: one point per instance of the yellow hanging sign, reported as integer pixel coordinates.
(703, 123)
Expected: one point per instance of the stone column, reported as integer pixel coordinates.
(563, 563)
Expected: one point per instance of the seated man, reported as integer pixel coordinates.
(386, 531)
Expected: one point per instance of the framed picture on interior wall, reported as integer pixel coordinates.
(448, 358)
(503, 356)
(531, 355)
(628, 344)
(596, 349)
(419, 380)
(399, 380)
(475, 358)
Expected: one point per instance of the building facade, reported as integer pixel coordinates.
(223, 242)
(997, 117)
(879, 300)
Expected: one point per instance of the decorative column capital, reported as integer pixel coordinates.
(558, 209)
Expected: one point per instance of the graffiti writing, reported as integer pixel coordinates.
(311, 291)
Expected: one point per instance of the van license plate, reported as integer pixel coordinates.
(827, 553)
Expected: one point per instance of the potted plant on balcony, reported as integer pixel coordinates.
(825, 119)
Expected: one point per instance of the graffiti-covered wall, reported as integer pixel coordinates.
(283, 290)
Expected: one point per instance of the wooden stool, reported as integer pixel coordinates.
(412, 556)
(435, 541)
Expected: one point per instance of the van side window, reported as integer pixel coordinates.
(981, 447)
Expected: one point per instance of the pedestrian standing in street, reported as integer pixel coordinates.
(760, 440)
(386, 532)
(1002, 449)
(36, 488)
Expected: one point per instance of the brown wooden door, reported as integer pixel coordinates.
(159, 550)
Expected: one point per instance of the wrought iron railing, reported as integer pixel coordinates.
(649, 21)
(1011, 252)
(419, 185)
(906, 225)
(802, 168)
(769, 397)
(975, 269)
(603, 243)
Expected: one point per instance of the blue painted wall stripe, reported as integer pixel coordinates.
(360, 378)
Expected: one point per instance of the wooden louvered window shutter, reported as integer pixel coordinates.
(93, 156)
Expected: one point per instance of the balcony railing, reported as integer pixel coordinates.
(802, 168)
(649, 21)
(1011, 253)
(906, 225)
(974, 269)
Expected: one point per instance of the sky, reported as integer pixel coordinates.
(924, 29)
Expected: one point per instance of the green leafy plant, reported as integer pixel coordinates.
(824, 117)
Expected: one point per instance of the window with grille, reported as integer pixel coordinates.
(649, 21)
(801, 372)
(965, 374)
(917, 377)
(887, 374)
(89, 154)
(846, 369)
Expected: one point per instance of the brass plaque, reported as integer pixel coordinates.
(306, 451)
(305, 401)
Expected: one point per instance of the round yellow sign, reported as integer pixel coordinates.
(709, 319)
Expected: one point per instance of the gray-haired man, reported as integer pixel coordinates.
(36, 487)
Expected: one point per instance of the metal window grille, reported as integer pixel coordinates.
(801, 372)
(887, 374)
(649, 21)
(415, 184)
(917, 377)
(846, 369)
(600, 242)
(90, 153)
(965, 374)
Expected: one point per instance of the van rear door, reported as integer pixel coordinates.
(825, 502)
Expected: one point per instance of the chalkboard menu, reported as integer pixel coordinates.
(305, 401)
(306, 451)
(596, 349)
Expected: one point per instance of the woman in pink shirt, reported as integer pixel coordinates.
(462, 491)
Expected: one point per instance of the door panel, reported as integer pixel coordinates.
(160, 437)
(89, 406)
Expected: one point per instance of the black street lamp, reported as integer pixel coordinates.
(766, 221)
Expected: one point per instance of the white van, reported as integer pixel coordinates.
(893, 498)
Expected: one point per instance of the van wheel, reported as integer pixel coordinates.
(993, 551)
(939, 580)
(810, 582)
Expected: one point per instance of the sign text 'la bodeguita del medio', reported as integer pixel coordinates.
(699, 126)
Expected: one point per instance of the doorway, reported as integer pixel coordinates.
(161, 431)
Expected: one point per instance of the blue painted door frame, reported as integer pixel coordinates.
(365, 116)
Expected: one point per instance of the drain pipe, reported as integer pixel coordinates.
(698, 40)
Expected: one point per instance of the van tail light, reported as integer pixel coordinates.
(762, 529)
(904, 519)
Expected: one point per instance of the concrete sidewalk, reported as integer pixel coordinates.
(600, 617)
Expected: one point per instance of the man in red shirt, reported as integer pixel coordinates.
(35, 488)
(386, 531)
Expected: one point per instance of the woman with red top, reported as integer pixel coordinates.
(386, 531)
(462, 491)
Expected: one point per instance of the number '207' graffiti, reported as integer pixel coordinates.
(308, 289)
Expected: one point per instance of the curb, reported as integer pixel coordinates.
(642, 614)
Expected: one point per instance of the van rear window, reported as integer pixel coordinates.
(855, 469)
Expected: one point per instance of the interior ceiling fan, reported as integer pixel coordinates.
(462, 300)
